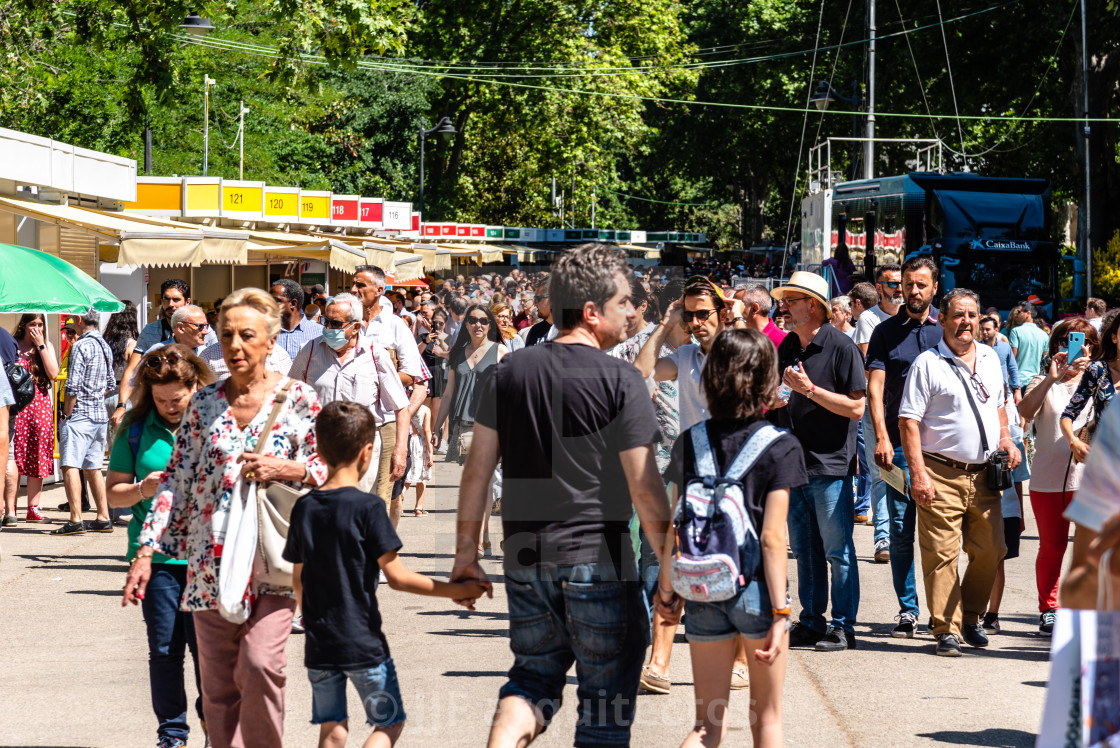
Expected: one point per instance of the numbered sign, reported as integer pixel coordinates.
(314, 207)
(345, 210)
(281, 204)
(242, 199)
(371, 211)
(202, 196)
(397, 216)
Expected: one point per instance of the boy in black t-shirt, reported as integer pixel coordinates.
(340, 539)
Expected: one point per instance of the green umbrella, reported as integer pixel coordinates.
(33, 281)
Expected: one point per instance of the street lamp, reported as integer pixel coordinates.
(443, 128)
(825, 95)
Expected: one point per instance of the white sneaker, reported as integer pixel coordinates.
(297, 625)
(441, 449)
(381, 578)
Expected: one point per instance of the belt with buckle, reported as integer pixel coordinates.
(968, 467)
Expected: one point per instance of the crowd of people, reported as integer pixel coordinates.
(656, 447)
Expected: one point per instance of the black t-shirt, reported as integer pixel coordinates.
(832, 362)
(895, 344)
(338, 536)
(563, 414)
(537, 333)
(9, 348)
(782, 465)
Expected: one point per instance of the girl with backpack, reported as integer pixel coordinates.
(731, 478)
(165, 381)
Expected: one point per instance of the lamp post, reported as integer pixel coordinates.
(445, 128)
(824, 96)
(207, 81)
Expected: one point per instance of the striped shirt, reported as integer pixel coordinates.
(304, 332)
(159, 331)
(88, 375)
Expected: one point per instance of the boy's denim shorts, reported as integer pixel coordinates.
(748, 614)
(578, 614)
(377, 686)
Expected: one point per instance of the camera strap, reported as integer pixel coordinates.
(975, 410)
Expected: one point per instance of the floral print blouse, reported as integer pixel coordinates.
(203, 471)
(665, 399)
(1096, 385)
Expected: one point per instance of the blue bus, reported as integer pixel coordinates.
(989, 234)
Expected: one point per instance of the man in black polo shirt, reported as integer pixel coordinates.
(824, 370)
(894, 345)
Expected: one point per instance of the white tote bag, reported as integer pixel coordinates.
(239, 551)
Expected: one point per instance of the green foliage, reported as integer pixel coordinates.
(1106, 271)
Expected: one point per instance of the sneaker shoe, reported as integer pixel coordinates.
(169, 742)
(907, 624)
(652, 682)
(34, 515)
(739, 679)
(948, 646)
(65, 507)
(991, 623)
(9, 521)
(1046, 622)
(974, 634)
(882, 551)
(99, 525)
(70, 528)
(801, 635)
(861, 519)
(836, 640)
(441, 449)
(297, 625)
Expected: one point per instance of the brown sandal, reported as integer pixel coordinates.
(420, 512)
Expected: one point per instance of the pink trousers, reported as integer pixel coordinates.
(243, 673)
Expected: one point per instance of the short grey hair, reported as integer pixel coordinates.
(377, 273)
(91, 318)
(843, 302)
(350, 300)
(586, 273)
(181, 314)
(756, 293)
(954, 295)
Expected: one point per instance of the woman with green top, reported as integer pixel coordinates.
(165, 379)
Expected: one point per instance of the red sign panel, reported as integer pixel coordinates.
(464, 231)
(431, 229)
(478, 231)
(450, 229)
(415, 221)
(344, 210)
(371, 211)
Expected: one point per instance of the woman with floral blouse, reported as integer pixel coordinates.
(1098, 385)
(242, 664)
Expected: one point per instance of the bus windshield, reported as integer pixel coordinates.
(1003, 279)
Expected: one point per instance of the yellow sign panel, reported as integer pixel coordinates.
(315, 207)
(243, 199)
(151, 196)
(203, 197)
(282, 204)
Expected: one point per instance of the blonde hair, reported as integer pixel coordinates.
(496, 309)
(254, 298)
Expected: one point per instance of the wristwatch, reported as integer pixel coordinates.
(43, 347)
(739, 319)
(120, 406)
(811, 391)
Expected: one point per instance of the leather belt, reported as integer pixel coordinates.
(968, 467)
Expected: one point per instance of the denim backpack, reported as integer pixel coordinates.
(718, 551)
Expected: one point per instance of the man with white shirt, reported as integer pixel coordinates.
(1094, 312)
(342, 365)
(391, 333)
(947, 454)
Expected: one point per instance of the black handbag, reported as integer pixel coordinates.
(23, 387)
(999, 469)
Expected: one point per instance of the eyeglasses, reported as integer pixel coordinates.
(158, 358)
(700, 315)
(506, 317)
(478, 321)
(337, 324)
(890, 284)
(198, 326)
(787, 300)
(981, 390)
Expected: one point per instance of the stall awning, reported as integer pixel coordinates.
(346, 258)
(650, 253)
(139, 242)
(407, 267)
(435, 258)
(527, 254)
(379, 254)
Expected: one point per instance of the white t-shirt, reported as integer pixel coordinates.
(1052, 455)
(867, 322)
(1096, 323)
(935, 399)
(689, 359)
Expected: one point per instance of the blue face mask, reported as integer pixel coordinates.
(336, 339)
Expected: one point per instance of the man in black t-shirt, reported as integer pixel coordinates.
(575, 430)
(538, 333)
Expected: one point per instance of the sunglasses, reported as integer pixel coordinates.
(700, 315)
(337, 324)
(157, 359)
(478, 321)
(890, 284)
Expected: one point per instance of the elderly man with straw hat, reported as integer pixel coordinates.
(822, 372)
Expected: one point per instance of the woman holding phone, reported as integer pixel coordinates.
(1097, 387)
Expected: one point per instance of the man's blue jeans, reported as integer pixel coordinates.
(903, 514)
(878, 489)
(170, 635)
(820, 535)
(579, 614)
(863, 475)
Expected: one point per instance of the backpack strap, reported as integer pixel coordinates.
(135, 430)
(759, 442)
(702, 452)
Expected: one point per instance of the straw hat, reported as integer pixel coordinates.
(811, 284)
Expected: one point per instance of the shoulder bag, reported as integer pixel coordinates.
(999, 471)
(274, 513)
(1085, 433)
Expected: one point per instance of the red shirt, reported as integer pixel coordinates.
(771, 331)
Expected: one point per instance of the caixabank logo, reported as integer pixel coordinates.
(976, 244)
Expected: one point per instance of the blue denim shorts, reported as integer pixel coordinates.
(578, 614)
(377, 686)
(82, 443)
(1023, 471)
(748, 613)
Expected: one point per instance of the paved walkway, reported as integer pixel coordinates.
(73, 663)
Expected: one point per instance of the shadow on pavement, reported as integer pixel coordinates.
(989, 737)
(498, 615)
(102, 593)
